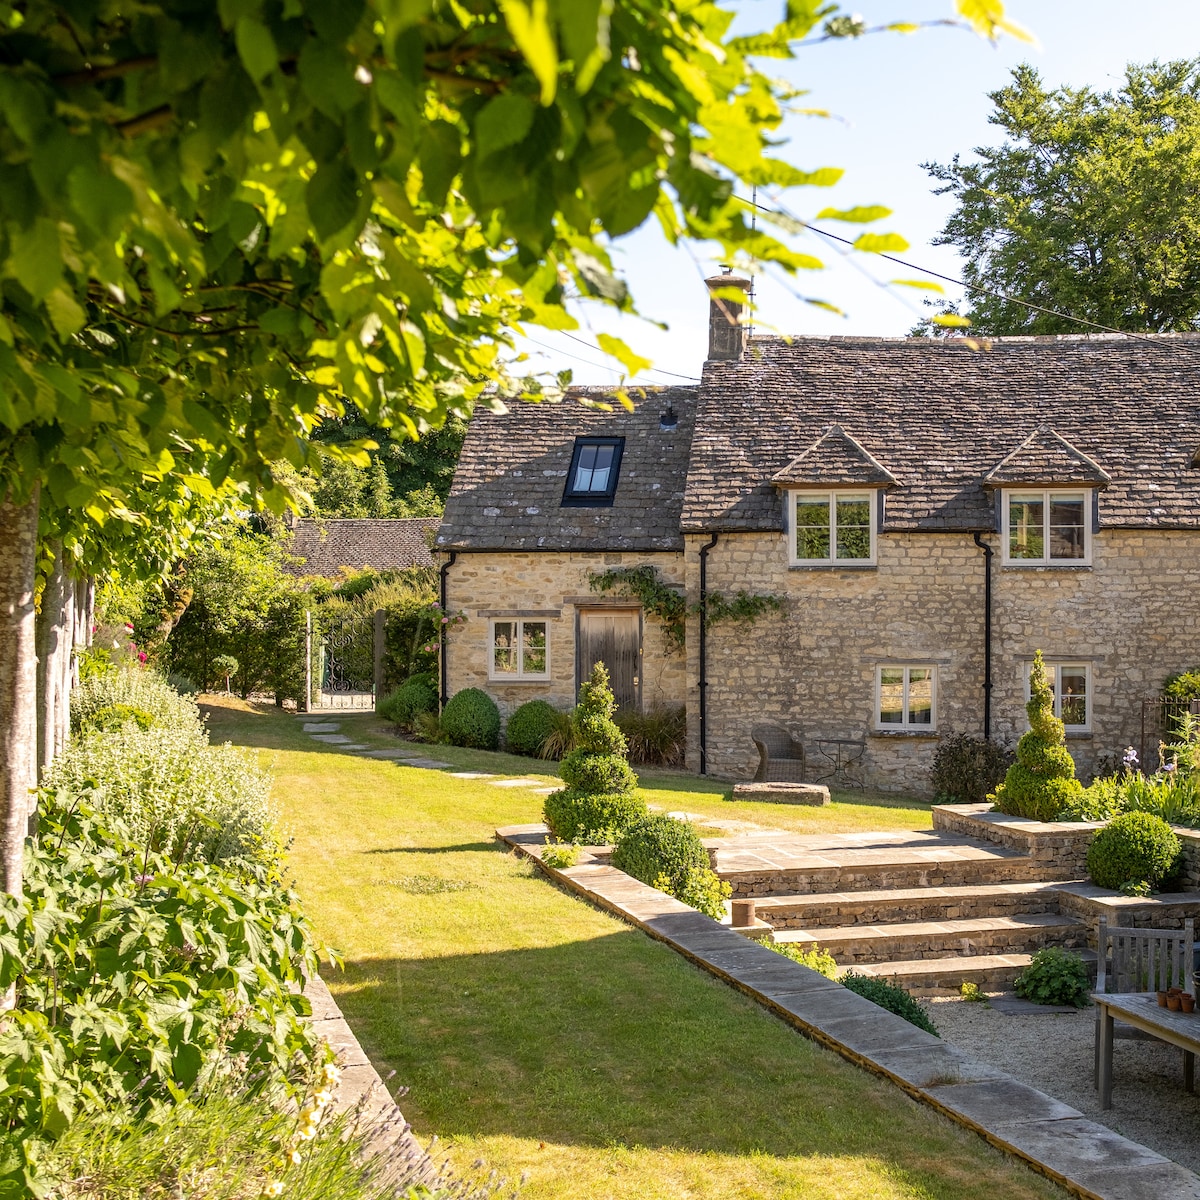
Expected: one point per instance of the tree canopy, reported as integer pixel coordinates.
(1087, 207)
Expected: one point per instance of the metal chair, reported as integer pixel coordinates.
(780, 756)
(1140, 960)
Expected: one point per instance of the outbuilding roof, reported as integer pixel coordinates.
(508, 488)
(941, 417)
(331, 543)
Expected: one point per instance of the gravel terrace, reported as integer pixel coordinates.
(1052, 1051)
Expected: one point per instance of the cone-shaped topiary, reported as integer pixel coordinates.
(1042, 780)
(599, 801)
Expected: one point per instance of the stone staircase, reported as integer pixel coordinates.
(931, 910)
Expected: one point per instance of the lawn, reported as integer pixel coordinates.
(549, 1039)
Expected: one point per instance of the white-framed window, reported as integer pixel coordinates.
(520, 649)
(906, 697)
(832, 528)
(1071, 684)
(1047, 526)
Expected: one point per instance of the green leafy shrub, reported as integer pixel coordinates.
(529, 727)
(966, 769)
(560, 741)
(1041, 783)
(668, 855)
(176, 793)
(1101, 800)
(559, 855)
(1179, 690)
(428, 728)
(115, 716)
(139, 977)
(600, 801)
(1133, 849)
(655, 738)
(182, 684)
(131, 688)
(471, 718)
(888, 995)
(591, 820)
(417, 694)
(659, 846)
(1055, 976)
(815, 957)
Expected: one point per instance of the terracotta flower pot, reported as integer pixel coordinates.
(1187, 1003)
(1162, 999)
(1172, 1002)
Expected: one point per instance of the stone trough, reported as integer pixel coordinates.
(814, 794)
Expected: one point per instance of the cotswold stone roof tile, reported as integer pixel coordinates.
(1045, 458)
(834, 458)
(941, 416)
(329, 544)
(508, 487)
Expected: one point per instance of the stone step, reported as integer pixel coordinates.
(945, 976)
(854, 870)
(1021, 933)
(891, 905)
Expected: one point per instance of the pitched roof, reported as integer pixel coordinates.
(941, 416)
(1045, 457)
(508, 487)
(835, 458)
(329, 544)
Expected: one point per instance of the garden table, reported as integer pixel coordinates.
(1141, 1010)
(841, 757)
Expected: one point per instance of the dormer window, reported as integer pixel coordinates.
(1046, 527)
(832, 529)
(592, 479)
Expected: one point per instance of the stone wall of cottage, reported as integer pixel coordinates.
(551, 586)
(1132, 617)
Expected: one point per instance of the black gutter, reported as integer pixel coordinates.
(704, 653)
(987, 634)
(445, 628)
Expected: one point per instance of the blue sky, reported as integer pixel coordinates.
(898, 101)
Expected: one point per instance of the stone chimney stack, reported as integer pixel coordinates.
(726, 333)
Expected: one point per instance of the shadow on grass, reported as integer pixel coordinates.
(467, 846)
(615, 1042)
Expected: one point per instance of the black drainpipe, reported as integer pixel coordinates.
(444, 629)
(704, 653)
(987, 634)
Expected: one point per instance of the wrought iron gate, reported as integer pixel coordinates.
(344, 662)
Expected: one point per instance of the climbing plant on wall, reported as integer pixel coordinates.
(670, 608)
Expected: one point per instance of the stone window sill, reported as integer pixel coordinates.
(922, 735)
(1048, 567)
(838, 566)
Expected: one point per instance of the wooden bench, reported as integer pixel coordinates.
(1140, 960)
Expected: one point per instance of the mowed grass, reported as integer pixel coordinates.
(547, 1038)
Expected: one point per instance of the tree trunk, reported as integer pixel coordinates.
(49, 640)
(18, 682)
(66, 665)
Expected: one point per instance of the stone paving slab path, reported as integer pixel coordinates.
(321, 726)
(1083, 1156)
(331, 739)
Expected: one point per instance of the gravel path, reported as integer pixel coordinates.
(1053, 1052)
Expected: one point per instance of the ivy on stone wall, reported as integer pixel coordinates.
(661, 601)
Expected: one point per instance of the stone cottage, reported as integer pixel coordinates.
(929, 512)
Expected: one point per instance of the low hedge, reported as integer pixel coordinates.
(417, 694)
(592, 819)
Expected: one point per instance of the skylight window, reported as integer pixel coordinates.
(592, 479)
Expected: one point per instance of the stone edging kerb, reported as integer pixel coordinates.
(1086, 1158)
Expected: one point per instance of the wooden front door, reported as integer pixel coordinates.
(612, 636)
